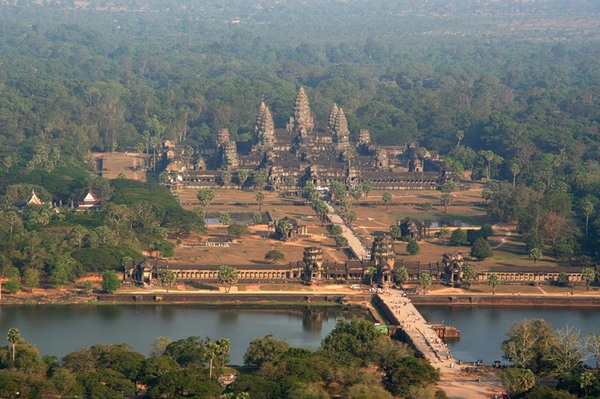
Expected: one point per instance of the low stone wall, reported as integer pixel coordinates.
(241, 298)
(505, 300)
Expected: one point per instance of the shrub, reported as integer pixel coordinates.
(481, 249)
(412, 247)
(458, 237)
(473, 235)
(274, 255)
(486, 231)
(237, 230)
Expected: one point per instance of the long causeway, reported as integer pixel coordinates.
(420, 335)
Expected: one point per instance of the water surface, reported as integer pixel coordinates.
(484, 328)
(61, 329)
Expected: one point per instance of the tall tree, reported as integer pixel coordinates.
(227, 276)
(535, 253)
(459, 136)
(205, 196)
(167, 278)
(588, 275)
(445, 200)
(242, 176)
(367, 187)
(592, 342)
(371, 272)
(265, 349)
(493, 280)
(216, 351)
(13, 337)
(469, 273)
(386, 197)
(587, 207)
(400, 275)
(226, 177)
(260, 197)
(260, 179)
(424, 280)
(515, 169)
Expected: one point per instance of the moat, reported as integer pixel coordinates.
(60, 329)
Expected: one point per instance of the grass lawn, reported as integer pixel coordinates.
(372, 220)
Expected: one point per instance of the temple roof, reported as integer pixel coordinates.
(34, 199)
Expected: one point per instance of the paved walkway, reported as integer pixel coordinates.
(453, 378)
(353, 242)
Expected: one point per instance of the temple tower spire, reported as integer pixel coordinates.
(332, 116)
(340, 130)
(264, 128)
(303, 120)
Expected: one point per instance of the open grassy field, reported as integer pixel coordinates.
(250, 250)
(116, 163)
(372, 219)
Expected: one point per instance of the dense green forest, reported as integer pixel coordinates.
(355, 360)
(509, 89)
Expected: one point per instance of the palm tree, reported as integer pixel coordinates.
(424, 280)
(349, 153)
(367, 187)
(11, 219)
(493, 280)
(586, 379)
(469, 273)
(588, 275)
(13, 337)
(242, 176)
(587, 208)
(216, 350)
(535, 254)
(205, 196)
(227, 276)
(459, 136)
(489, 157)
(154, 142)
(226, 177)
(515, 169)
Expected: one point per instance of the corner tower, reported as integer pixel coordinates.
(264, 128)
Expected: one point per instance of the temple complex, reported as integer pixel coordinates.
(302, 152)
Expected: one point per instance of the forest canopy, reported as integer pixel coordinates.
(507, 90)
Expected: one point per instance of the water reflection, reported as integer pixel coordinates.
(312, 319)
(108, 313)
(228, 316)
(139, 325)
